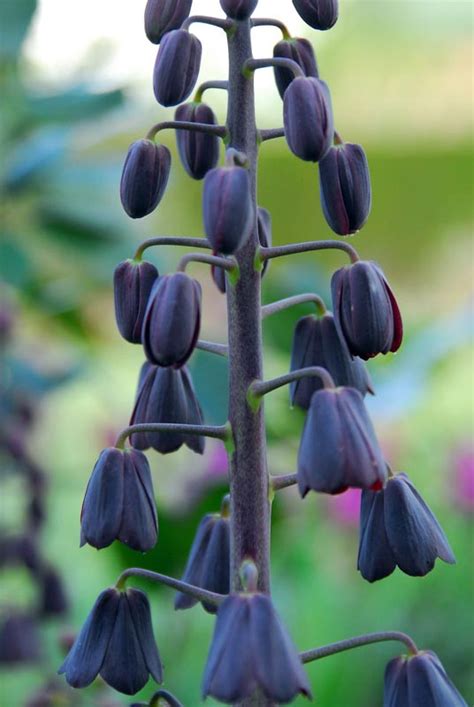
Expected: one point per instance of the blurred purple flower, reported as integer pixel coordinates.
(217, 462)
(463, 489)
(344, 508)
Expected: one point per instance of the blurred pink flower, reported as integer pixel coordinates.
(344, 508)
(463, 492)
(217, 464)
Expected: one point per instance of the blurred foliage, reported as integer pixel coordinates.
(62, 233)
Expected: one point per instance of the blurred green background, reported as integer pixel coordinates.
(76, 90)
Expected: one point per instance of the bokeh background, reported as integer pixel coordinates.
(76, 90)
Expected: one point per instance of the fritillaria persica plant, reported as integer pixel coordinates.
(252, 659)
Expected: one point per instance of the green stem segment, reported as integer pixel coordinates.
(216, 431)
(357, 642)
(228, 264)
(209, 129)
(275, 307)
(260, 388)
(252, 65)
(196, 592)
(207, 85)
(271, 22)
(295, 248)
(171, 240)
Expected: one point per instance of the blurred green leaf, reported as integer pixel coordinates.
(78, 103)
(15, 18)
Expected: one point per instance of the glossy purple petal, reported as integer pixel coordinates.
(139, 526)
(144, 177)
(375, 560)
(141, 616)
(161, 16)
(318, 14)
(103, 501)
(299, 50)
(227, 208)
(133, 282)
(308, 118)
(176, 67)
(199, 152)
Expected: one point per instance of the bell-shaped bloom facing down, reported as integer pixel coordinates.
(166, 395)
(308, 118)
(398, 528)
(227, 208)
(19, 639)
(300, 50)
(238, 9)
(117, 643)
(319, 14)
(365, 310)
(264, 231)
(252, 650)
(208, 564)
(338, 448)
(199, 152)
(119, 503)
(161, 16)
(317, 342)
(144, 177)
(53, 600)
(419, 681)
(133, 282)
(172, 320)
(176, 67)
(344, 181)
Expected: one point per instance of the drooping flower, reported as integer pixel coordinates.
(238, 9)
(199, 152)
(117, 643)
(398, 528)
(176, 67)
(166, 395)
(252, 650)
(119, 502)
(319, 14)
(299, 50)
(172, 320)
(338, 447)
(161, 16)
(346, 195)
(19, 639)
(227, 208)
(317, 342)
(418, 681)
(365, 310)
(133, 282)
(308, 118)
(144, 177)
(208, 565)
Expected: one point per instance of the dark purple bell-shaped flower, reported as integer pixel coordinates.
(161, 16)
(264, 231)
(319, 14)
(119, 503)
(251, 650)
(338, 448)
(133, 281)
(172, 320)
(117, 643)
(144, 177)
(346, 195)
(227, 208)
(166, 395)
(365, 310)
(199, 152)
(299, 50)
(308, 118)
(19, 639)
(208, 564)
(419, 680)
(176, 67)
(317, 342)
(398, 528)
(238, 9)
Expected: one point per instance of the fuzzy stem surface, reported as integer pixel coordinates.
(358, 641)
(195, 592)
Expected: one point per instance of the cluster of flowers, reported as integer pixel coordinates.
(251, 650)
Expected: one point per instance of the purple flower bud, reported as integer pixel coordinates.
(319, 14)
(119, 502)
(227, 208)
(346, 195)
(317, 342)
(133, 282)
(166, 395)
(117, 643)
(208, 564)
(365, 310)
(19, 639)
(413, 681)
(199, 152)
(238, 9)
(338, 448)
(264, 230)
(251, 650)
(144, 177)
(308, 118)
(53, 597)
(161, 16)
(176, 67)
(398, 528)
(172, 320)
(300, 51)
